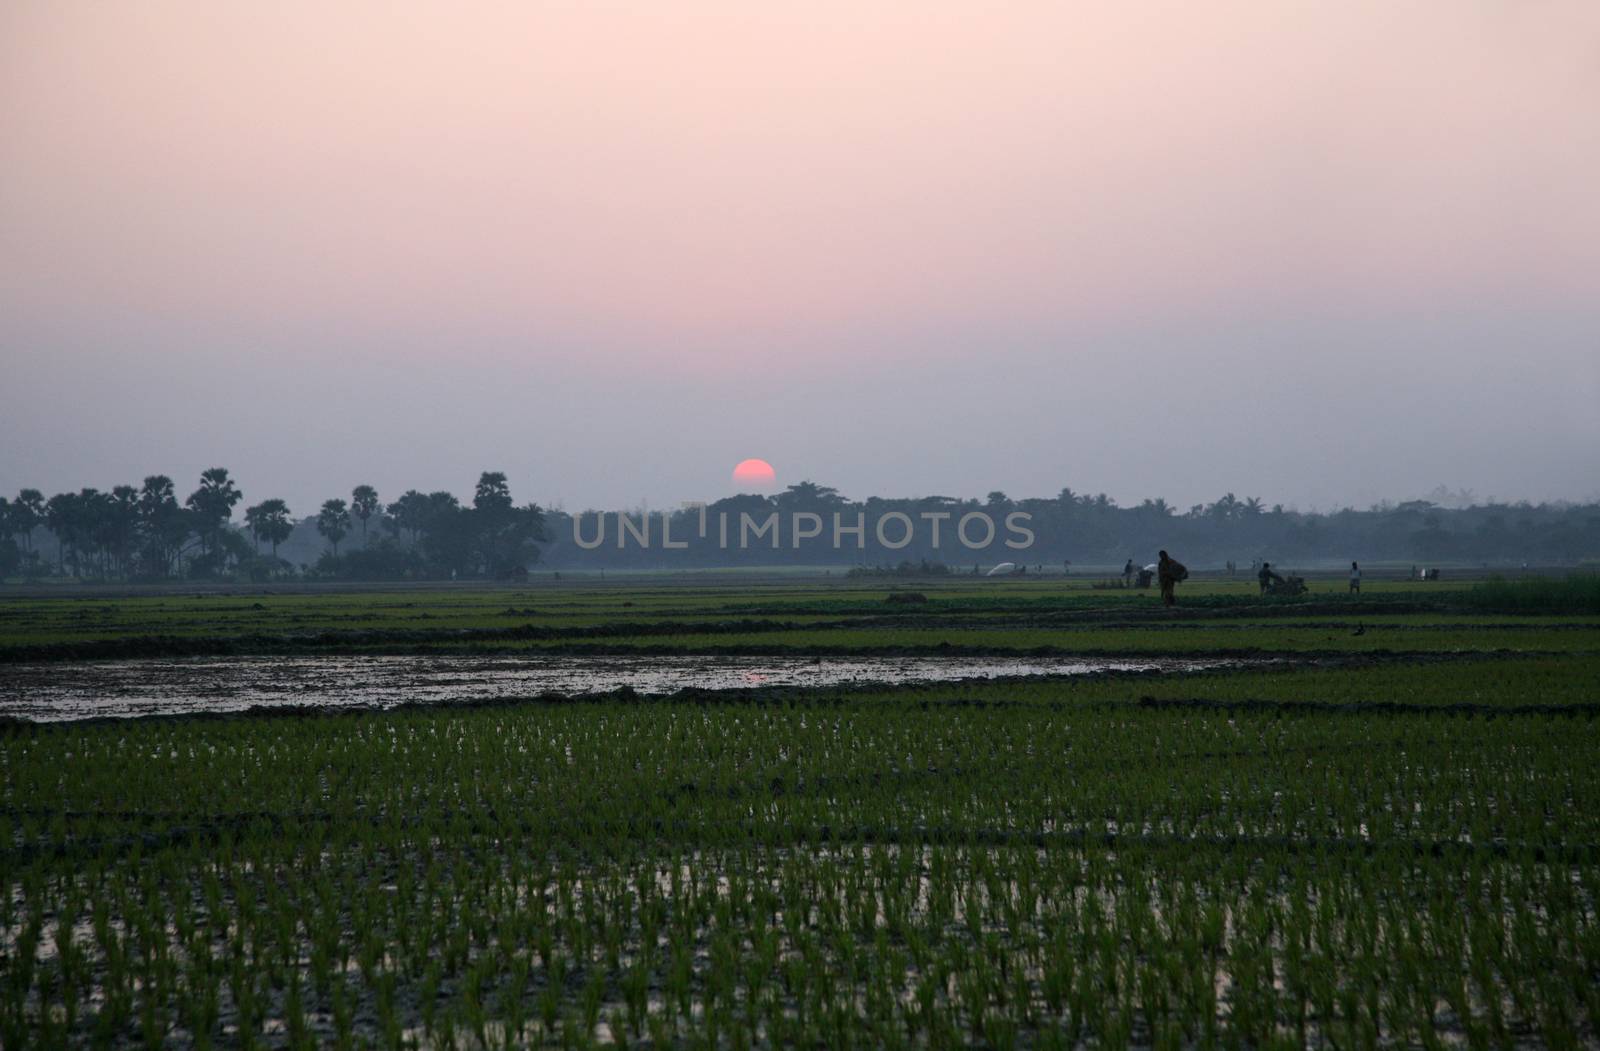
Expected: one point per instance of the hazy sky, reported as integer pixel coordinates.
(1322, 253)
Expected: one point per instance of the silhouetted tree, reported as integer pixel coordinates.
(252, 522)
(1226, 509)
(269, 520)
(499, 536)
(163, 525)
(27, 514)
(492, 495)
(145, 531)
(410, 513)
(363, 505)
(439, 511)
(212, 505)
(333, 522)
(121, 526)
(63, 517)
(277, 523)
(446, 539)
(809, 496)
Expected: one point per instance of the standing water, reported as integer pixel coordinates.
(94, 689)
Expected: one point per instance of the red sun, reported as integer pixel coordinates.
(755, 474)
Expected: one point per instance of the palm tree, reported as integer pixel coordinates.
(492, 495)
(253, 520)
(269, 521)
(333, 522)
(1225, 509)
(162, 523)
(278, 523)
(212, 503)
(364, 504)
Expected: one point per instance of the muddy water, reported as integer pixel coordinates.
(90, 689)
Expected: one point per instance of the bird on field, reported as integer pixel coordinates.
(1361, 629)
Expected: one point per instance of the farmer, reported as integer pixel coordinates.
(1266, 578)
(1169, 571)
(1127, 573)
(1355, 579)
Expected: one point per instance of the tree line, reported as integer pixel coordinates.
(146, 532)
(1078, 529)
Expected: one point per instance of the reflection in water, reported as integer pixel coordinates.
(64, 691)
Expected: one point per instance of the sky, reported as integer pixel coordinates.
(1322, 253)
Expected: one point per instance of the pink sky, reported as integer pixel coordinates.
(748, 201)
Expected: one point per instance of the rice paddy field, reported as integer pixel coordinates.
(1331, 821)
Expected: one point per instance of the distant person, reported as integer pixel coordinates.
(1169, 571)
(1266, 577)
(1127, 573)
(1355, 579)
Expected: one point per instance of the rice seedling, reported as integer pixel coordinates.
(1378, 853)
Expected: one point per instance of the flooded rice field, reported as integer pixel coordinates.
(51, 692)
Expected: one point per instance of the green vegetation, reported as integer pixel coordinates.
(1395, 848)
(808, 617)
(1577, 593)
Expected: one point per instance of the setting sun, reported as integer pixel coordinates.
(755, 475)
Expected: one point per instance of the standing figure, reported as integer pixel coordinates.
(1127, 573)
(1169, 571)
(1355, 579)
(1266, 577)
